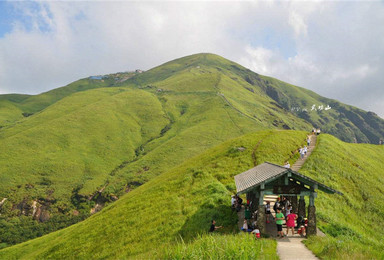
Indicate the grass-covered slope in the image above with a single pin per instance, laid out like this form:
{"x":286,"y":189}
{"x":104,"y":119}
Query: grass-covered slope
{"x":15,"y":107}
{"x":179,"y":203}
{"x":212,"y":246}
{"x":251,"y":93}
{"x":150,"y":221}
{"x":346,"y":122}
{"x":111,"y":140}
{"x":93,"y":146}
{"x":147,"y":222}
{"x":353,"y":221}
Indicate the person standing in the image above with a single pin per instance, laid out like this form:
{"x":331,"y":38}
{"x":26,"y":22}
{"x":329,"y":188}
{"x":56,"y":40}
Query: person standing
{"x":276,"y":205}
{"x":268,"y":211}
{"x":239,"y":203}
{"x":279,"y":223}
{"x":233,"y":201}
{"x":291,"y":217}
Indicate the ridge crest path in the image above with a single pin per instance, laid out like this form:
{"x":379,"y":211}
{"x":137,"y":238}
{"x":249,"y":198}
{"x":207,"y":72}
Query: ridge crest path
{"x":289,"y":248}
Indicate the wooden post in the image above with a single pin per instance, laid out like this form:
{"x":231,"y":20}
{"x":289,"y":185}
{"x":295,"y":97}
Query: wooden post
{"x":311,"y":229}
{"x":254,"y":201}
{"x":301,"y":211}
{"x":261,"y":211}
{"x":293,"y":200}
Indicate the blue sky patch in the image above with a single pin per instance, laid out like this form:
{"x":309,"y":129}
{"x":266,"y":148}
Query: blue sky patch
{"x":27,"y":14}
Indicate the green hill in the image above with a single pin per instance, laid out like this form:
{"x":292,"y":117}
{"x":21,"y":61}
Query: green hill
{"x":249,"y":92}
{"x":15,"y":107}
{"x":71,"y":151}
{"x":90,"y":147}
{"x":148,"y":222}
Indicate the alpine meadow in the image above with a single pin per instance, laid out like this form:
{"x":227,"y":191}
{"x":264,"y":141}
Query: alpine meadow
{"x":137,"y":164}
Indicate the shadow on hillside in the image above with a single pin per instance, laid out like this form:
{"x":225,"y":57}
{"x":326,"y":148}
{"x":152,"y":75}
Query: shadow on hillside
{"x":200,"y":222}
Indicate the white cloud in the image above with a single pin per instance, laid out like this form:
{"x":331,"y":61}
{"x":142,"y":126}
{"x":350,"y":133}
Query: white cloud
{"x":334,"y":48}
{"x":298,"y":24}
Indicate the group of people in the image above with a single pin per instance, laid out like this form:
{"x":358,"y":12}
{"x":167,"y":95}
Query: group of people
{"x":303,"y":151}
{"x":236,"y":202}
{"x":285,"y":213}
{"x":316,"y":131}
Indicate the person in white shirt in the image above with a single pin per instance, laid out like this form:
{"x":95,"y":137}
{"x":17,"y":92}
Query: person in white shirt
{"x":233,"y":201}
{"x":287,"y":165}
{"x":301,"y":151}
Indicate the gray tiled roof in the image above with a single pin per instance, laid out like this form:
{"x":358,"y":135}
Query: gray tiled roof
{"x":266,"y":171}
{"x":257,"y":175}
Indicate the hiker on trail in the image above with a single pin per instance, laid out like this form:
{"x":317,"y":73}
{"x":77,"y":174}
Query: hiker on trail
{"x":301,"y":151}
{"x":305,"y":149}
{"x":213,"y":226}
{"x":279,"y":223}
{"x":291,"y":217}
{"x":268,"y":210}
{"x":318,"y":131}
{"x":308,"y":140}
{"x":287,"y":165}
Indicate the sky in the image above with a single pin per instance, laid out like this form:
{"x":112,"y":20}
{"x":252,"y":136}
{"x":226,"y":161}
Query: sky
{"x":335,"y":48}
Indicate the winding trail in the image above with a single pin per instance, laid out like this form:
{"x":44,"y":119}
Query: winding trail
{"x":291,"y":247}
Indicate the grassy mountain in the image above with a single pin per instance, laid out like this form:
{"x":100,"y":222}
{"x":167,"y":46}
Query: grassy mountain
{"x":150,"y":221}
{"x":70,"y":151}
{"x":180,"y":202}
{"x":250,"y":92}
{"x":91,"y":147}
{"x":15,"y":107}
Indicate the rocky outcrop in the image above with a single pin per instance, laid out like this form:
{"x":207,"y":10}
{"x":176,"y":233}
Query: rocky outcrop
{"x":97,"y":208}
{"x":38,"y":210}
{"x":2,"y":202}
{"x":42,"y":214}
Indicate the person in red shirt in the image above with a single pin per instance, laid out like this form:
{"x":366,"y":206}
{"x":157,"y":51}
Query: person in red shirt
{"x":291,"y":222}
